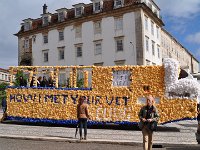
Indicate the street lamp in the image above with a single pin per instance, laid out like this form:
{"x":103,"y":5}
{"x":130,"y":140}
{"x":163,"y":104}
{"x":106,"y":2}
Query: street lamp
{"x":133,"y":53}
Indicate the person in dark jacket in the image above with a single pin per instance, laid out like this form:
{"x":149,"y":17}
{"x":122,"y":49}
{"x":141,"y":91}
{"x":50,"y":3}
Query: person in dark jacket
{"x":44,"y":82}
{"x":50,"y":82}
{"x":82,"y":115}
{"x":4,"y":105}
{"x":22,"y":81}
{"x":148,"y":116}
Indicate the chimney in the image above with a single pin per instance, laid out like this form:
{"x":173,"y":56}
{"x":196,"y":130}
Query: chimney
{"x":44,"y":9}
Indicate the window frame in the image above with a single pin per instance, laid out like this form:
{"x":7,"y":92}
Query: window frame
{"x":79,"y":52}
{"x":152,"y":27}
{"x":61,"y":17}
{"x":146,"y":22}
{"x":78,"y":31}
{"x":99,"y":50}
{"x":117,"y":44}
{"x":153,"y":48}
{"x":45,"y":39}
{"x":45,"y":20}
{"x":61,"y":56}
{"x":147,"y":43}
{"x":117,"y":4}
{"x":45,"y":56}
{"x":61,"y":35}
{"x":118,"y":23}
{"x":97,"y":27}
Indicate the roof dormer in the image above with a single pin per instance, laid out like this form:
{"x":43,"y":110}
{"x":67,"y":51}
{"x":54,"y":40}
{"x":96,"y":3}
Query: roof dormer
{"x":27,"y":24}
{"x":46,"y":16}
{"x":79,"y":9}
{"x":97,"y":5}
{"x":62,"y":14}
{"x":118,"y":3}
{"x":46,"y":19}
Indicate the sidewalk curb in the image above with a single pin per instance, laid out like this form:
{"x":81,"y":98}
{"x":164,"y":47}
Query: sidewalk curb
{"x":73,"y":140}
{"x":99,"y":141}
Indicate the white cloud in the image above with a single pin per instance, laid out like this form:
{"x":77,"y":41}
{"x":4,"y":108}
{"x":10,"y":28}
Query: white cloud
{"x":179,"y":8}
{"x":194,"y":38}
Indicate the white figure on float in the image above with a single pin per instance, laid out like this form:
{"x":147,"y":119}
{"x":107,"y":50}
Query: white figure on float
{"x":186,"y":87}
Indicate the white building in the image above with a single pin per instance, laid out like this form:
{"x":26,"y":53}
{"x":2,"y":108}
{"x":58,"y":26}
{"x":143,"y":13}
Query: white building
{"x":4,"y":75}
{"x":104,"y":32}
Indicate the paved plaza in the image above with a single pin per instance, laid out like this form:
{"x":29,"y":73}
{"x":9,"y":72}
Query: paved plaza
{"x":178,"y":133}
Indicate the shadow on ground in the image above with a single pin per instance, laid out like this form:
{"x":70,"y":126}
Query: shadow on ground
{"x":112,"y":126}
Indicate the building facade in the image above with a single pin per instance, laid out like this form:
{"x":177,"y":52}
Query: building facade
{"x":104,"y":33}
{"x":171,"y":48}
{"x":4,"y":75}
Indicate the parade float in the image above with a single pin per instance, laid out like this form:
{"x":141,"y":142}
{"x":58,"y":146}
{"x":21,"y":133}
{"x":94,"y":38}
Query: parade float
{"x":115,"y":94}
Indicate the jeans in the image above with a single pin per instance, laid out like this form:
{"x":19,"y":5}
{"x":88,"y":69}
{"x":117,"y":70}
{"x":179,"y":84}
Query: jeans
{"x":4,"y":109}
{"x":83,"y":124}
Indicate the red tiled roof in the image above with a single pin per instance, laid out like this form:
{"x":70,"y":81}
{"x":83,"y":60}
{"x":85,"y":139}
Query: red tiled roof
{"x":4,"y":70}
{"x":88,"y":10}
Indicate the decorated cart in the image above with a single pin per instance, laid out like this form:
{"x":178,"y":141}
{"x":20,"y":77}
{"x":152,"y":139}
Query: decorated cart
{"x":115,"y":94}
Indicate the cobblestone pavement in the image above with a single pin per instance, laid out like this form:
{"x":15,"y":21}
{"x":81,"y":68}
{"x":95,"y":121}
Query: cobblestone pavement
{"x":182,"y":132}
{"x":165,"y":134}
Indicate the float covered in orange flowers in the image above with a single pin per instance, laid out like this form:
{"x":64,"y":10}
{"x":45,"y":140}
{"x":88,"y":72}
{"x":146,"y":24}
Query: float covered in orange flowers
{"x":115,"y":94}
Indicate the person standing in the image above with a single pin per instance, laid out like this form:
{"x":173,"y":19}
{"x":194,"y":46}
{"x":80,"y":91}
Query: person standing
{"x":22,"y":81}
{"x":44,"y":82}
{"x":148,"y":116}
{"x":4,"y":108}
{"x":82,"y":115}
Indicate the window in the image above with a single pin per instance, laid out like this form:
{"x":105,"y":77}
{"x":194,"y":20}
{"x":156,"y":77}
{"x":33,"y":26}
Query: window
{"x":153,"y":64}
{"x":148,"y":62}
{"x":152,"y":28}
{"x":119,"y":44}
{"x":147,"y":43}
{"x":61,"y":16}
{"x":26,"y":43}
{"x":97,"y":7}
{"x":6,"y":77}
{"x":158,"y":48}
{"x":27,"y":26}
{"x":34,"y":38}
{"x":78,"y":33}
{"x":118,"y":23}
{"x":97,"y":27}
{"x":120,"y":62}
{"x":98,"y":64}
{"x":78,"y":51}
{"x":78,"y":11}
{"x":157,"y":32}
{"x":45,"y":39}
{"x":118,"y":3}
{"x":146,"y":22}
{"x":153,"y":48}
{"x":61,"y":35}
{"x":61,"y":53}
{"x":97,"y":48}
{"x":46,"y":55}
{"x":45,"y":20}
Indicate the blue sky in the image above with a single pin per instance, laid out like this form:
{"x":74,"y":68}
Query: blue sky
{"x":181,"y":18}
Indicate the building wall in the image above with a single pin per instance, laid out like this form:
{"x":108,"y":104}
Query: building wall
{"x":108,"y":35}
{"x":173,"y":49}
{"x":4,"y":76}
{"x":153,"y":59}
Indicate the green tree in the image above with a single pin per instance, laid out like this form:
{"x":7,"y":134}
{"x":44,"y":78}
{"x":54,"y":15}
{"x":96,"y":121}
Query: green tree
{"x":19,"y":74}
{"x":3,"y":86}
